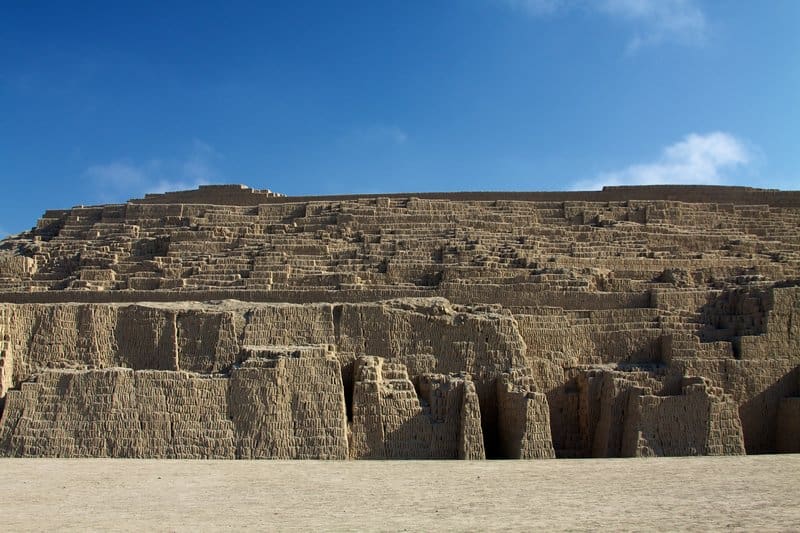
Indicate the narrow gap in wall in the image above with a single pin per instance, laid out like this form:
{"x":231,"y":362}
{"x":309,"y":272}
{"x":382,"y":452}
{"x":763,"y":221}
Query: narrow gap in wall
{"x":337,"y":322}
{"x":487,"y":399}
{"x":348,"y":384}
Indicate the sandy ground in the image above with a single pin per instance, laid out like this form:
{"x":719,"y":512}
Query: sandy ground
{"x":751,"y":493}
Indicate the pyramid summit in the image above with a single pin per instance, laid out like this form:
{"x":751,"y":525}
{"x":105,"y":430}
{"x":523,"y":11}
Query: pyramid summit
{"x":231,"y":322}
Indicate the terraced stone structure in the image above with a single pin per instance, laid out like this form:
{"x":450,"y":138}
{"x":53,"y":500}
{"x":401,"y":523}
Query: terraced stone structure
{"x":227,"y":322}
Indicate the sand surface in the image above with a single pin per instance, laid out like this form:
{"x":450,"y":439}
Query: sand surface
{"x":751,"y":493}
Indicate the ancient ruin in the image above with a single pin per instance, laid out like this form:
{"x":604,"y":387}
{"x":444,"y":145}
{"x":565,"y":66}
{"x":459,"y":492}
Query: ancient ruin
{"x":228,"y":322}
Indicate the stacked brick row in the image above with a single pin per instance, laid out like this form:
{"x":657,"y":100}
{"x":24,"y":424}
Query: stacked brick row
{"x":411,"y":245}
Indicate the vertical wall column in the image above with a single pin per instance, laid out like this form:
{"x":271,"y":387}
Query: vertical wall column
{"x":523,"y":417}
{"x":6,"y":354}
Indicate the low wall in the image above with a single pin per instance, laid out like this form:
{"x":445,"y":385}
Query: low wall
{"x":269,"y":409}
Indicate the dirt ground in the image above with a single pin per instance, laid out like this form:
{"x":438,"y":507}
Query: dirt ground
{"x":751,"y":493}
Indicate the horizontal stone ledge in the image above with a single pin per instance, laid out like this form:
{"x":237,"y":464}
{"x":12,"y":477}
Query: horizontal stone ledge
{"x":466,"y":294}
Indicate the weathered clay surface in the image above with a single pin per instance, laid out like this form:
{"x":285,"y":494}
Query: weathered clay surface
{"x":228,"y":322}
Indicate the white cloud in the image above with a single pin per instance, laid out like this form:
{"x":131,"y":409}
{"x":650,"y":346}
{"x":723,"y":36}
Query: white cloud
{"x":124,"y":179}
{"x":697,"y":159}
{"x":652,"y":21}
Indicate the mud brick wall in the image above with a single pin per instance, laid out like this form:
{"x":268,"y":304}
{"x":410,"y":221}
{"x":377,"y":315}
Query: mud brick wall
{"x":289,"y":409}
{"x":390,"y":420}
{"x":604,"y":396}
{"x":275,"y":409}
{"x":701,"y":421}
{"x":6,"y":354}
{"x":470,"y":434}
{"x":118,"y":413}
{"x":523,"y":418}
{"x":757,"y":387}
{"x":208,"y":338}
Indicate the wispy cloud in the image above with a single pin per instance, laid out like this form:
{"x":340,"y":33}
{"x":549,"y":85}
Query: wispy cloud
{"x":123,"y":179}
{"x":657,"y":21}
{"x":697,"y":159}
{"x":198,"y":166}
{"x":652,"y":21}
{"x":376,"y":134}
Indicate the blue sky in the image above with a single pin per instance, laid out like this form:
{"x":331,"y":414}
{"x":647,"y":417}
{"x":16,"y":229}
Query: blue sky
{"x":104,"y":101}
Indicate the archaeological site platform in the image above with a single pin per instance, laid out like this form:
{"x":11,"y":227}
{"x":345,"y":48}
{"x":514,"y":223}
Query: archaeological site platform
{"x":233,"y":323}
